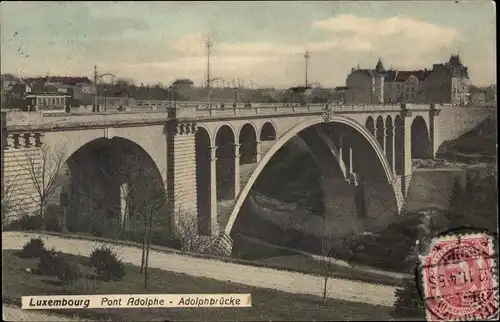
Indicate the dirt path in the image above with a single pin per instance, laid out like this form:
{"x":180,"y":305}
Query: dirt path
{"x":290,"y":282}
{"x":13,"y":313}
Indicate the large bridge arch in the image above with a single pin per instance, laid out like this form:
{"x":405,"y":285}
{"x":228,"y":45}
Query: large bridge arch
{"x":152,"y":141}
{"x":112,"y":182}
{"x":359,"y":128}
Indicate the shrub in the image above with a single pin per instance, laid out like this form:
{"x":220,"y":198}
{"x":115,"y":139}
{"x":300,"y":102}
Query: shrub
{"x":408,"y":302}
{"x":25,"y":222}
{"x":34,"y":248}
{"x":68,"y":272}
{"x":158,"y":237}
{"x":52,"y":220}
{"x":50,"y":261}
{"x":107,"y":264}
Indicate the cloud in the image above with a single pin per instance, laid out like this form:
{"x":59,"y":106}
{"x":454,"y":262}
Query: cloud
{"x":399,"y":30}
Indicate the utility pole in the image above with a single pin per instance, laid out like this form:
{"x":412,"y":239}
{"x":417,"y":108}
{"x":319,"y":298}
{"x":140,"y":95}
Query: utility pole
{"x":307,"y":56}
{"x":95,"y":86}
{"x":208,"y":43}
{"x":209,"y":46}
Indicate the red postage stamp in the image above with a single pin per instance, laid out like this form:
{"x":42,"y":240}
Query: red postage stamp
{"x":459,"y":278}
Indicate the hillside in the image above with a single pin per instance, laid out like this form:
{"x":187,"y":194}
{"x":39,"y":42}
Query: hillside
{"x":479,"y":142}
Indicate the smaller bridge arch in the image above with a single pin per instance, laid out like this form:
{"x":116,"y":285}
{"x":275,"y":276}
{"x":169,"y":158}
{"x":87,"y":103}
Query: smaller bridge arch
{"x":225,"y":141}
{"x":420,"y":140}
{"x":268,"y":132}
{"x":224,"y":126}
{"x":248,"y":144}
{"x":380,"y":132}
{"x":203,"y":180}
{"x":399,"y":145}
{"x":370,"y":125}
{"x":389,"y":140}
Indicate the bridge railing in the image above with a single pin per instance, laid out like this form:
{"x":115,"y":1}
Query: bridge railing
{"x":84,"y":114}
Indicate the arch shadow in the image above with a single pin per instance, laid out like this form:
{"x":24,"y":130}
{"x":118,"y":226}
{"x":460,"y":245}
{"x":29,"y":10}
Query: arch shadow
{"x":248,"y":144}
{"x":112,"y":183}
{"x":267,"y":132}
{"x":203,"y":180}
{"x":225,"y":141}
{"x":389,"y":138}
{"x":370,"y":125}
{"x":420,"y":140}
{"x":380,"y":131}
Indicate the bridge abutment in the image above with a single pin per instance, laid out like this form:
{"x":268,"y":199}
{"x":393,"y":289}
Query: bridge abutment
{"x":181,"y":174}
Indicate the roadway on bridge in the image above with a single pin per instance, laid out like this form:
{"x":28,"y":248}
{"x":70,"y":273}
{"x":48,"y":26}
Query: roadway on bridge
{"x":285,"y":281}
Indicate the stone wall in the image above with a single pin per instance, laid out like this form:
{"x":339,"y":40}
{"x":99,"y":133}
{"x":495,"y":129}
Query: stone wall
{"x":21,"y":195}
{"x":455,"y":121}
{"x":181,"y":171}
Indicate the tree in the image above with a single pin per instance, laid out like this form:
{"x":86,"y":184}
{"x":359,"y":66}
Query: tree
{"x":10,"y":206}
{"x":330,"y":247}
{"x":476,"y":204}
{"x":408,"y":302}
{"x":43,"y":167}
{"x":141,"y":201}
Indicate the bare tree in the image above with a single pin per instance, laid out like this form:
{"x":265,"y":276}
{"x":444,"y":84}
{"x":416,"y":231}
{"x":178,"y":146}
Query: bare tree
{"x":10,"y":205}
{"x":140,"y":200}
{"x":331,"y":246}
{"x":186,"y":227}
{"x":43,"y":167}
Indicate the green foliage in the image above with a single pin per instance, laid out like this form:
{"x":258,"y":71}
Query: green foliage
{"x":159,"y":237}
{"x":25,"y":222}
{"x":292,"y":174}
{"x":53,"y":217}
{"x":107,"y":264}
{"x":408,"y":302}
{"x":68,"y":272}
{"x":50,"y":261}
{"x":394,"y":242}
{"x":33,"y":248}
{"x":476,"y":204}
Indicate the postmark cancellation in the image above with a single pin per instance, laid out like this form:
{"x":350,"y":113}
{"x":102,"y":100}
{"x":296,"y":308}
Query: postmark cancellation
{"x":459,"y":278}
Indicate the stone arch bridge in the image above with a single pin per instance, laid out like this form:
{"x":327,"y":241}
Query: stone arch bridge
{"x":205,"y":161}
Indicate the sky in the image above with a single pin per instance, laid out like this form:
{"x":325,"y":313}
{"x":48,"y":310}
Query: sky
{"x":261,"y":43}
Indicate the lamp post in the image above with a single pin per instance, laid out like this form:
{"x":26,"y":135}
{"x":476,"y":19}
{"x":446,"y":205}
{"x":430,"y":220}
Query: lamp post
{"x":96,"y":78}
{"x":210,"y":93}
{"x":105,"y":98}
{"x":235,"y":97}
{"x":170,"y":96}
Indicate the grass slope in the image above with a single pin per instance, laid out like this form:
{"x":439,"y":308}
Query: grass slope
{"x":267,"y":304}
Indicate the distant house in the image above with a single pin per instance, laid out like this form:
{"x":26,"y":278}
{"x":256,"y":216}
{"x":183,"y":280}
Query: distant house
{"x":47,"y":100}
{"x":447,"y":83}
{"x":77,"y":87}
{"x":183,"y":86}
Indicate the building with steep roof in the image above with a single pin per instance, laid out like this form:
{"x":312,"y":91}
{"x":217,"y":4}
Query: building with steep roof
{"x":447,"y":83}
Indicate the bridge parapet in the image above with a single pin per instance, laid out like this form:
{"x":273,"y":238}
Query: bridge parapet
{"x":37,"y":120}
{"x":42,"y":119}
